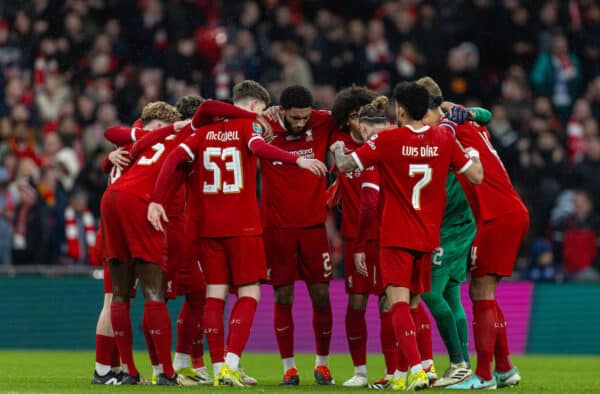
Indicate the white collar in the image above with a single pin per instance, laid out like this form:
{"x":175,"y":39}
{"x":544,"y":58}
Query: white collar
{"x":421,"y":130}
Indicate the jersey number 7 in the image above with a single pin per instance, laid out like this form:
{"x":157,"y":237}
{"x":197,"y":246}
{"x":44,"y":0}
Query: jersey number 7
{"x":418,"y":169}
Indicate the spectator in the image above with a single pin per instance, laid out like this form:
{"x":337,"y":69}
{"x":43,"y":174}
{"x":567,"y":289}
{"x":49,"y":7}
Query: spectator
{"x":543,"y":266}
{"x":80,"y":230}
{"x":7,"y":208}
{"x":586,"y":172}
{"x":557,"y":76}
{"x":579,"y":235}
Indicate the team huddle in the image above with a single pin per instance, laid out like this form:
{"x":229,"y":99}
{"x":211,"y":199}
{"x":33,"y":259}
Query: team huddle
{"x":181,"y":216}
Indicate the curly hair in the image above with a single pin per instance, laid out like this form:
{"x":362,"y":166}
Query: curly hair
{"x":296,"y":96}
{"x":349,"y":100}
{"x":375,"y":112}
{"x":159,"y":110}
{"x":187,"y":105}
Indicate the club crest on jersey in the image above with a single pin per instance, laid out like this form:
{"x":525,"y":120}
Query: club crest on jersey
{"x":309,"y":135}
{"x":257,"y":128}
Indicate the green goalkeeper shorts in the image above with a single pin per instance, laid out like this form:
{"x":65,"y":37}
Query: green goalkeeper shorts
{"x":450,"y":261}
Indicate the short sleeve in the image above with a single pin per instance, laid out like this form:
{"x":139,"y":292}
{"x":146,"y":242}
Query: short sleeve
{"x":369,"y":153}
{"x":370,"y":178}
{"x":253,"y":132}
{"x":191,"y":145}
{"x":460,"y":161}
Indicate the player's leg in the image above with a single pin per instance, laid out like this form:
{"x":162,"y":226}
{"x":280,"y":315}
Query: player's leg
{"x":122,"y":276}
{"x":453,"y":298}
{"x":281,"y":250}
{"x":105,"y":372}
{"x":423,"y":324}
{"x":316,"y":270}
{"x":389,"y":347}
{"x":189,"y":328}
{"x":356,"y":334}
{"x":402,"y":272}
{"x":357,"y":288}
{"x":156,"y":316}
{"x":212,"y":319}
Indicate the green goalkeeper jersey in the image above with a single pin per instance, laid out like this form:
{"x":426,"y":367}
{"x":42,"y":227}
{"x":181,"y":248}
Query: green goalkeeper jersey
{"x":458,"y":217}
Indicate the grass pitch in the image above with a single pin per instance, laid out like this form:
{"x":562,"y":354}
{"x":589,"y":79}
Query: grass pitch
{"x":70,"y":372}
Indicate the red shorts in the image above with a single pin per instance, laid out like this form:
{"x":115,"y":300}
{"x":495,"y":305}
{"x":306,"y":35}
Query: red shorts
{"x":127,"y":233}
{"x":355,"y":282}
{"x":233,"y":261}
{"x":298,"y":253}
{"x":177,"y":254}
{"x":189,"y":277}
{"x":108,"y":281}
{"x":496,"y":245}
{"x":405,"y":268}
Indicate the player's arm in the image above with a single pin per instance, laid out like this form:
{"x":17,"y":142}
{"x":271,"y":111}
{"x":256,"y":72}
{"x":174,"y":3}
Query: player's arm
{"x":460,"y":114}
{"x":123,"y":135}
{"x":170,"y":178}
{"x":467,"y":162}
{"x":211,"y":109}
{"x":367,"y":215}
{"x":263,"y":150}
{"x":152,"y":138}
{"x":343,"y":162}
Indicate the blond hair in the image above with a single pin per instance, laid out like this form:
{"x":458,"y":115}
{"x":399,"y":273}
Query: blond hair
{"x":159,"y":110}
{"x":375,"y":111}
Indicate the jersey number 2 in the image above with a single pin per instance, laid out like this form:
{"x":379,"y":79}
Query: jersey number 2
{"x":418,"y":169}
{"x":233,"y":165}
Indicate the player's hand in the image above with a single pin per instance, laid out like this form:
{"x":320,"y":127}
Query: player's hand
{"x":156,"y":216}
{"x":119,"y":157}
{"x":460,"y":114}
{"x":336,"y":145}
{"x":272,"y":113}
{"x":180,"y":124}
{"x":267,"y":132}
{"x":360,"y":263}
{"x":313,"y":165}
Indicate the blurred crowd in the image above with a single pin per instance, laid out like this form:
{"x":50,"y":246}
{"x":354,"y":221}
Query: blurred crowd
{"x":70,"y":69}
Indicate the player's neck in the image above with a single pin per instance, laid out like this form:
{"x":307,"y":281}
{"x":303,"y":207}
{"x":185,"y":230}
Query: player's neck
{"x":415,"y":124}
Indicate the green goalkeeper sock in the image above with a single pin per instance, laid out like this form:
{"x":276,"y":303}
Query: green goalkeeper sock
{"x":452,"y":296}
{"x":444,"y":318}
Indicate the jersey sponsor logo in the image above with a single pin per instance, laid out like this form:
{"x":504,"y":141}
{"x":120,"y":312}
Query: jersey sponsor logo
{"x":222,"y":136}
{"x":420,"y":151}
{"x":305,"y":153}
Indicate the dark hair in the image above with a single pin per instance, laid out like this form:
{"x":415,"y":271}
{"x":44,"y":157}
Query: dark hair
{"x":187,"y":105}
{"x":413,"y":97}
{"x":250,"y":90}
{"x":349,"y":100}
{"x":375,"y":112}
{"x":296,"y":97}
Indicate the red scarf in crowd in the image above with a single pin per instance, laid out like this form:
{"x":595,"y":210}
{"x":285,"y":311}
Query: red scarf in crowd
{"x":73,"y":250}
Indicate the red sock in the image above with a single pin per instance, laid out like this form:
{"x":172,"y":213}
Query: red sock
{"x":356,"y":333}
{"x":423,"y":325}
{"x":121,"y":322}
{"x":322,"y":324}
{"x":406,"y":333}
{"x":159,"y":327}
{"x":198,"y":352}
{"x":213,"y":328}
{"x":240,"y":324}
{"x":188,"y":322}
{"x":149,"y":342}
{"x":104,"y":349}
{"x":501,"y":352}
{"x":115,"y":359}
{"x":284,"y":329}
{"x":389,"y":346}
{"x":401,"y":362}
{"x":484,"y":331}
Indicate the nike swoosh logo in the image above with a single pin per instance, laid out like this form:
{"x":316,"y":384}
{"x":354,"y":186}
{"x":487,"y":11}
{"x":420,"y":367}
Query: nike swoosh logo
{"x":353,"y":338}
{"x":327,"y":274}
{"x":282,"y":328}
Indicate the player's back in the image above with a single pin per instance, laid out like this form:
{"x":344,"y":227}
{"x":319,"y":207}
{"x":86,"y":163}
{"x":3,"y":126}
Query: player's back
{"x":413,"y":176}
{"x":352,"y":184}
{"x":293,"y":197}
{"x":496,"y":195}
{"x":226,"y":173}
{"x":141,"y":177}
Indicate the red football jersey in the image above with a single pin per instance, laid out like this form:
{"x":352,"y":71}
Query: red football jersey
{"x":496,"y":195}
{"x":351,"y":188}
{"x":291,"y":196}
{"x":140,"y":178}
{"x":222,"y":188}
{"x":115,"y":171}
{"x":413,"y":167}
